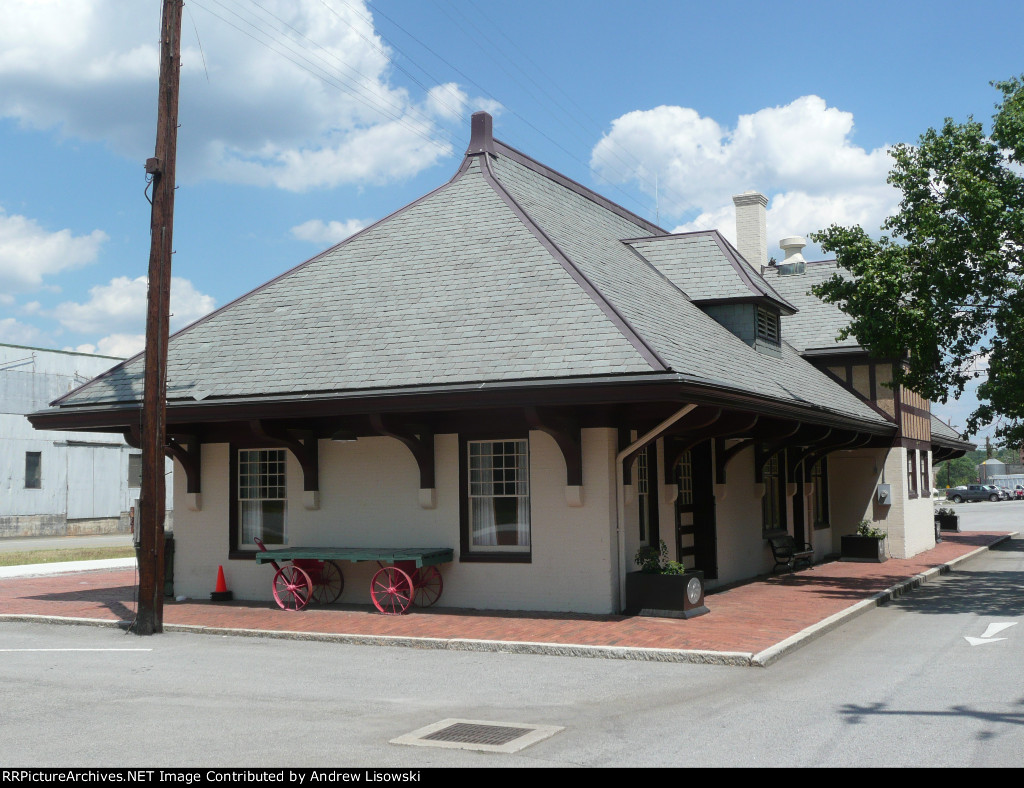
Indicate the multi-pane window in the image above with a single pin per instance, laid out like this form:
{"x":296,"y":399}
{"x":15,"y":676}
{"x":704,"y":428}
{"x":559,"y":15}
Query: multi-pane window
{"x":262,"y":507}
{"x":134,"y":470}
{"x":767,"y":325}
{"x":499,"y":495}
{"x":643,"y":490}
{"x":685,"y":479}
{"x":926,"y":471}
{"x":771,"y":503}
{"x":33,"y":470}
{"x":819,"y":476}
{"x":912,"y":471}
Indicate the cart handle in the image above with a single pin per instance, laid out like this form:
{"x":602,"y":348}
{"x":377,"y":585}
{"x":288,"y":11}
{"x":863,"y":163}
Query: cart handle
{"x":263,"y":548}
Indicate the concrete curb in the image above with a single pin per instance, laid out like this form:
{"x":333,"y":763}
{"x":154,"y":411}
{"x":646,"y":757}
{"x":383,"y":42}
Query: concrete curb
{"x":773,"y":653}
{"x":65,"y":567}
{"x":729,"y":658}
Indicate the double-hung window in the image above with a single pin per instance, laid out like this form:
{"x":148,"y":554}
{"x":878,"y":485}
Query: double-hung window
{"x":498,"y":497}
{"x":262,"y":505}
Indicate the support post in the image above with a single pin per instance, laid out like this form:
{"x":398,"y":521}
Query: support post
{"x":149,"y":618}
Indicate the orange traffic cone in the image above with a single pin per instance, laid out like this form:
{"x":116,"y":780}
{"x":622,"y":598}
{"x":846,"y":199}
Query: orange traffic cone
{"x":221,"y":593}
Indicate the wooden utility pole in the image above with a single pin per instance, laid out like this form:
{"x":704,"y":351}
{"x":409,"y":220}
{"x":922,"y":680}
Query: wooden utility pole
{"x":152,"y":503}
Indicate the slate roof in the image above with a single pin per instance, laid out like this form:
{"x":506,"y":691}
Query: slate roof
{"x":509,"y":272}
{"x":943,"y":432}
{"x":708,"y":268}
{"x":817,"y":324}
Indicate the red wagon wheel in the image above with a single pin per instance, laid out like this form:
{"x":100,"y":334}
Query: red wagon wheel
{"x":292,"y":588}
{"x":391,"y":590}
{"x":329,"y":584}
{"x":428,"y":586}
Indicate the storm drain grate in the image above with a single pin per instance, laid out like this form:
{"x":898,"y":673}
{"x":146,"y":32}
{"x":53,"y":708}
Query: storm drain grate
{"x":478,"y":735}
{"x":472,"y":733}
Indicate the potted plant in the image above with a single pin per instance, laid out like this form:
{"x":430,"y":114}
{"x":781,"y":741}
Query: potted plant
{"x":663,"y":588}
{"x":868,"y":544}
{"x":947,"y":519}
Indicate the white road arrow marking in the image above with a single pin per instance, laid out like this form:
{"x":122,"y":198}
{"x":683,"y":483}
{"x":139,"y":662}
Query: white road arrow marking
{"x":992,"y":629}
{"x":995,"y":629}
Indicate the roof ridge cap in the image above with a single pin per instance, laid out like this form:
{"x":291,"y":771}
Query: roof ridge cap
{"x":632,"y":335}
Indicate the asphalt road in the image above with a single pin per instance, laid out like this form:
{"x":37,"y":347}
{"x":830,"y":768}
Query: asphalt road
{"x":14,"y":545}
{"x":931,"y":679}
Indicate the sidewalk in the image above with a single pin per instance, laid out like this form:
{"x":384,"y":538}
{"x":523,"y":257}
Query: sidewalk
{"x":752,"y":624}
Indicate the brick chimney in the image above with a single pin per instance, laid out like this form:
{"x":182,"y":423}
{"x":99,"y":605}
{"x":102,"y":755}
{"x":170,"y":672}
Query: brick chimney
{"x":751,"y":230}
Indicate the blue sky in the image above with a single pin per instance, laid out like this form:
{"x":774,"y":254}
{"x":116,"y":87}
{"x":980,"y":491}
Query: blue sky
{"x":304,"y":120}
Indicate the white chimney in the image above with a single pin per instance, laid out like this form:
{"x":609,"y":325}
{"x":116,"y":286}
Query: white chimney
{"x":751,"y":230}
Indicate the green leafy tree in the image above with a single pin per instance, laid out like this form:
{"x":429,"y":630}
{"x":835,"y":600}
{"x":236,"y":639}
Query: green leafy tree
{"x":942,"y":287}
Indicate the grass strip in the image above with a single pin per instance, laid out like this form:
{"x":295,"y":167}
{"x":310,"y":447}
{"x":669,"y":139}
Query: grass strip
{"x":75,"y":554}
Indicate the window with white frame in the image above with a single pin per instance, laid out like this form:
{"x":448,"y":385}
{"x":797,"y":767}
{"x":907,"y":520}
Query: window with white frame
{"x":262,"y":505}
{"x":685,"y":478}
{"x":499,"y":495}
{"x":643,"y":489}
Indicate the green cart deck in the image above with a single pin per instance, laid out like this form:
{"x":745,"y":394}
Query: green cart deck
{"x":422,"y":556}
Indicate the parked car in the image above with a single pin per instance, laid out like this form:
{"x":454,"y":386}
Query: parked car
{"x":1018,"y":492}
{"x":973,"y":492}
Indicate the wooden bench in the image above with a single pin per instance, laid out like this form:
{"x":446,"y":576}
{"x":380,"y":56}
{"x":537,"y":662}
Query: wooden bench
{"x":787,"y":554}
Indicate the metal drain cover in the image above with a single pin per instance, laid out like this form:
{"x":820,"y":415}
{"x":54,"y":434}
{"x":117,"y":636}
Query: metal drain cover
{"x":478,"y":735}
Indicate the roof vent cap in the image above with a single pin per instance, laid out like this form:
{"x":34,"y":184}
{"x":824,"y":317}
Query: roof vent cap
{"x":794,"y":262}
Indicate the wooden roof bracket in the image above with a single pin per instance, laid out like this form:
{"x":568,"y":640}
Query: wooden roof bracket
{"x":188,"y":451}
{"x":568,"y":435}
{"x":724,"y":456}
{"x":422,"y":448}
{"x":304,"y":447}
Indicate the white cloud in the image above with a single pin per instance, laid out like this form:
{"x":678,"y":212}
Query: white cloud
{"x":28,"y":252}
{"x":122,"y":345}
{"x":120,"y":308}
{"x":320,"y":232}
{"x":14,"y":332}
{"x":800,"y":155}
{"x":90,"y":69}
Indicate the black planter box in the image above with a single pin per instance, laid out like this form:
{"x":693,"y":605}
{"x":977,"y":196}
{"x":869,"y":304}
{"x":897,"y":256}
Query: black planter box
{"x":665,"y":596}
{"x":863,"y":548}
{"x":948,"y":522}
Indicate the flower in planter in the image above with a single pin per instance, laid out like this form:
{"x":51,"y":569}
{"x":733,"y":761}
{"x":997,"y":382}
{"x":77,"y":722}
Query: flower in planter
{"x":865,"y":528}
{"x":654,"y":561}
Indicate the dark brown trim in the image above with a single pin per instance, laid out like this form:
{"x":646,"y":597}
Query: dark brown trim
{"x":724,"y":456}
{"x":565,"y":429}
{"x":910,"y":443}
{"x":646,"y":351}
{"x":519,"y":157}
{"x":303,"y":446}
{"x":420,"y":445}
{"x":745,"y":273}
{"x":674,"y":449}
{"x":124,"y":364}
{"x":190,"y":455}
{"x":466,"y":554}
{"x":669,"y":388}
{"x":849,"y":387}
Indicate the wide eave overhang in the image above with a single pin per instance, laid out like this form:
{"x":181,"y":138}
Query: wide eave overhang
{"x":670,"y":389}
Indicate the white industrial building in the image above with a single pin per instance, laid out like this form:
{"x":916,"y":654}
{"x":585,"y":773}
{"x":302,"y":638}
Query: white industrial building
{"x":59,"y":483}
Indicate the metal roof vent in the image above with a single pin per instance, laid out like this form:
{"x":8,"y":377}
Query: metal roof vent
{"x":794,"y":262}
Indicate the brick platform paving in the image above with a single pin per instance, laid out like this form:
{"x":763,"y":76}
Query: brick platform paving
{"x":745,"y":620}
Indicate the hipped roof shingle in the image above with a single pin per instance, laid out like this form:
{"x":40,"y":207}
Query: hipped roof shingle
{"x":509,"y":272}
